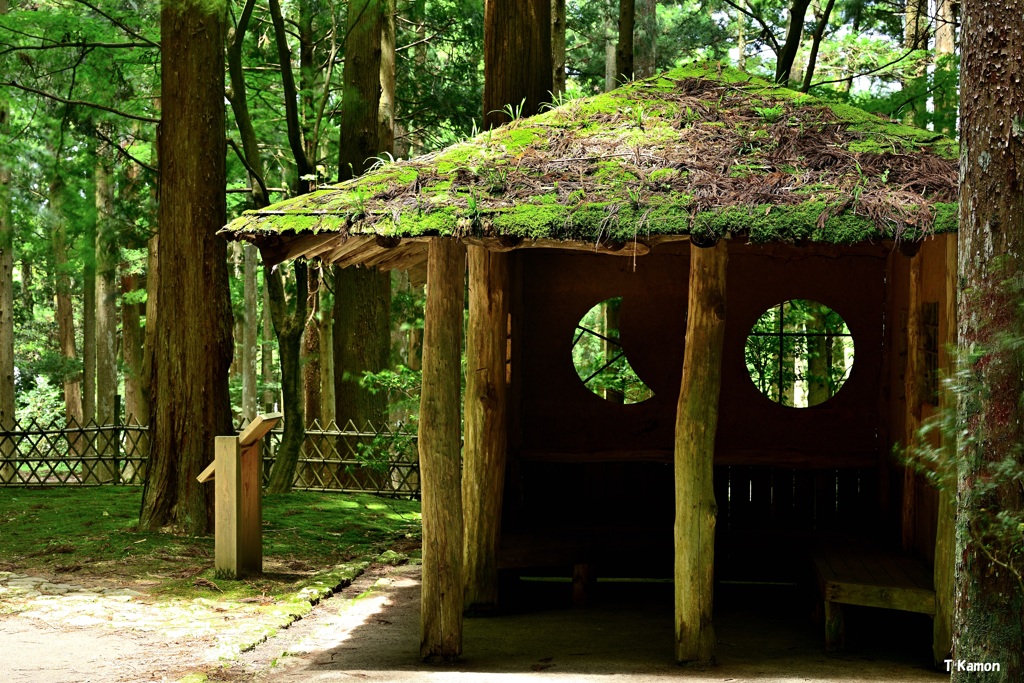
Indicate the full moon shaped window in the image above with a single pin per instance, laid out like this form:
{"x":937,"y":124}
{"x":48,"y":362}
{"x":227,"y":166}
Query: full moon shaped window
{"x":600,"y":359}
{"x":799,"y":353}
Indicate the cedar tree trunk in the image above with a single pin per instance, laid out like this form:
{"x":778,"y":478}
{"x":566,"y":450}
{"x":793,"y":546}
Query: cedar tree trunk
{"x":989,"y":624}
{"x":193,"y":335}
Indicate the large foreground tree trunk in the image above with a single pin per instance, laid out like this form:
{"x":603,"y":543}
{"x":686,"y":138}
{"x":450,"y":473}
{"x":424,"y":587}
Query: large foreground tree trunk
{"x":193,"y":345}
{"x":989,"y":624}
{"x":517,"y":58}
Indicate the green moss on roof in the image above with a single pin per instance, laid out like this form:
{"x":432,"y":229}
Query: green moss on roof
{"x":702,"y":148}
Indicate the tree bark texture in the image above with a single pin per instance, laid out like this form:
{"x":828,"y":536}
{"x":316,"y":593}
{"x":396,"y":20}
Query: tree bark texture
{"x":989,"y":624}
{"x":696,"y":423}
{"x":325,"y":328}
{"x":517,"y":58}
{"x":131,"y":342}
{"x":794,"y":35}
{"x":311,"y":395}
{"x":363,"y":133}
{"x":609,"y":54}
{"x":267,"y":353}
{"x":439,"y":446}
{"x":65,"y":311}
{"x":106,"y":293}
{"x":624,"y":49}
{"x":89,"y":324}
{"x":362,"y":340}
{"x":645,"y":38}
{"x":557,"y":48}
{"x":193,"y":335}
{"x":250,"y":294}
{"x":7,"y":414}
{"x":486,"y":434}
{"x":288,"y":326}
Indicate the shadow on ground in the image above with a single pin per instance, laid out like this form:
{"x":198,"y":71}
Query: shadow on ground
{"x":765,"y":633}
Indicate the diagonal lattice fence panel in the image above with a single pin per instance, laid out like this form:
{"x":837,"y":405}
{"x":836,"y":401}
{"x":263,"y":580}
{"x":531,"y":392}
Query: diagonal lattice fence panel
{"x":383,"y":461}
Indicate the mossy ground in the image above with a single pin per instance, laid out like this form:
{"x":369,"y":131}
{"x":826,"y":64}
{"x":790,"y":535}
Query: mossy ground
{"x":83,"y":535}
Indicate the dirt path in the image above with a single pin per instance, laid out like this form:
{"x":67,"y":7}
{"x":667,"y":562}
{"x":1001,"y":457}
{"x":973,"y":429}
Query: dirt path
{"x":626,"y":635}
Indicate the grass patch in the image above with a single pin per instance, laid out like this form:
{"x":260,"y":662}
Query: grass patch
{"x":89,"y":535}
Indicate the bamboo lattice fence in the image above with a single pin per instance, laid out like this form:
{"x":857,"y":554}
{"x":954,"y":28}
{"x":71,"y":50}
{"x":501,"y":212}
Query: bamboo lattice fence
{"x":382,"y":461}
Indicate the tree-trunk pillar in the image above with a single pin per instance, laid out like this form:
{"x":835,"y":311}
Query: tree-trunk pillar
{"x":483,"y":478}
{"x":912,"y":396}
{"x":696,"y":422}
{"x":439,"y":447}
{"x":945,"y":532}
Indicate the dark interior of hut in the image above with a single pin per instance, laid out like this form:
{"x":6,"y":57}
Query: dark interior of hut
{"x":589,"y":483}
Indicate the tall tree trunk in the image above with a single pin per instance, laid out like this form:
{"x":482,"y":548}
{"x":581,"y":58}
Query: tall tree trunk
{"x":945,"y":47}
{"x":106,"y":293}
{"x":311,"y":350}
{"x":915,"y":37}
{"x":325,"y":328}
{"x":6,"y":298}
{"x":819,"y":34}
{"x":362,"y":337}
{"x":818,"y":390}
{"x":193,"y":346}
{"x":514,"y":31}
{"x":288,"y":326}
{"x":131,"y":344}
{"x":557,"y":48}
{"x":65,"y":311}
{"x":89,"y":324}
{"x":794,"y":35}
{"x":250,"y":293}
{"x":645,"y":41}
{"x":741,"y":41}
{"x":990,"y":592}
{"x":267,"y":352}
{"x":624,"y":50}
{"x":362,"y":307}
{"x":148,"y":375}
{"x":609,"y":54}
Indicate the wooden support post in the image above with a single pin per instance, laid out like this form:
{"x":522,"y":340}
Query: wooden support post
{"x":251,"y":535}
{"x":696,"y":423}
{"x":835,"y":627}
{"x":237,"y":470}
{"x":945,"y":532}
{"x":912,"y":408}
{"x":228,"y":507}
{"x":439,"y":446}
{"x":483,"y":476}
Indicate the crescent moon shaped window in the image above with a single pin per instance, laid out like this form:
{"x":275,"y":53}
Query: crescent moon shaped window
{"x":799,"y":353}
{"x":601,"y":361}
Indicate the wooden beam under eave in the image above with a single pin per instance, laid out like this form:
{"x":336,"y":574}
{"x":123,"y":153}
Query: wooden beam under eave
{"x":696,"y":423}
{"x":912,"y":381}
{"x":347,"y":246}
{"x":440,"y":447}
{"x":501,"y":244}
{"x":294,"y":246}
{"x":945,"y":532}
{"x":486,"y":436}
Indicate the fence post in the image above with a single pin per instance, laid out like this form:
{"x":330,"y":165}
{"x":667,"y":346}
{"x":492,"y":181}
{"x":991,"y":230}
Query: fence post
{"x":117,"y":438}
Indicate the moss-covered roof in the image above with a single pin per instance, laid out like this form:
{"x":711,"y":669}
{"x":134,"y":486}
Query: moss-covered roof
{"x":701,"y":150}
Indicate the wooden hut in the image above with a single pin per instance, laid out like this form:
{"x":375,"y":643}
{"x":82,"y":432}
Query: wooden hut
{"x":703,"y":198}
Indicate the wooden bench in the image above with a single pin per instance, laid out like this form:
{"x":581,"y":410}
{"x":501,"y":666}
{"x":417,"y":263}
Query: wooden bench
{"x":858,"y":574}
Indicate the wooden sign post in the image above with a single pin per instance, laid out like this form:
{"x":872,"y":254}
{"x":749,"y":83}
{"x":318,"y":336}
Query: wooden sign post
{"x":237,"y":469}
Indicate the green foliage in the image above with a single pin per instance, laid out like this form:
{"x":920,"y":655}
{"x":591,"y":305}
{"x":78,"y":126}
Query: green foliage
{"x":785,"y":342}
{"x":600,"y":360}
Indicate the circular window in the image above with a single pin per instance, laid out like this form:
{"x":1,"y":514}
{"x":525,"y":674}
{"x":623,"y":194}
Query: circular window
{"x":799,"y":353}
{"x":600,"y":360}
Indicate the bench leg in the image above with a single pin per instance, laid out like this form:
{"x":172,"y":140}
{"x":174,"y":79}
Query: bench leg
{"x":580,"y":584}
{"x":835,"y":627}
